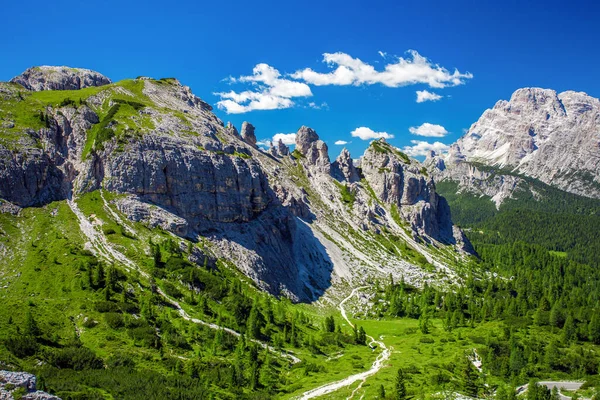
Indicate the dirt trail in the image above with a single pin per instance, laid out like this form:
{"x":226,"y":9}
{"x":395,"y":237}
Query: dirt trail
{"x":103,"y":248}
{"x":362,"y":377}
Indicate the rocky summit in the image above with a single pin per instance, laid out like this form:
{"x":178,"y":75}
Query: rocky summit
{"x":539,"y":133}
{"x":59,"y":78}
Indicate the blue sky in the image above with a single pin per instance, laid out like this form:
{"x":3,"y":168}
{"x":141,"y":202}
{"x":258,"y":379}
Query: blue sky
{"x":496,"y":47}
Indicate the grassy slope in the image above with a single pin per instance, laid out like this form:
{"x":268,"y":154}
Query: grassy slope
{"x":45,"y":278}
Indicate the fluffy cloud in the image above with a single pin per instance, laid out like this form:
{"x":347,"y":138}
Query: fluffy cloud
{"x":272,"y":92}
{"x":424,"y":95}
{"x":411,"y":70}
{"x":286,"y":138}
{"x":365,"y":133}
{"x":421,"y":148}
{"x":429,"y":130}
{"x":340,"y":142}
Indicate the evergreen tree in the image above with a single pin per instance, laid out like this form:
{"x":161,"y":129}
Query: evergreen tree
{"x":468,"y":377}
{"x":569,"y":329}
{"x":31,"y":326}
{"x":361,"y":336}
{"x":329,"y":324}
{"x":381,"y":394}
{"x":255,"y":321}
{"x":594,"y":328}
{"x":424,"y":325}
{"x":401,"y":393}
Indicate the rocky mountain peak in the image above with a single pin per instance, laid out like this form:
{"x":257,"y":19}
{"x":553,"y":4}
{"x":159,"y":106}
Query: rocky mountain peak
{"x":343,"y":168}
{"x":248,"y":135}
{"x":313,"y":149}
{"x":537,"y":133}
{"x":231,"y":129}
{"x":59,"y":78}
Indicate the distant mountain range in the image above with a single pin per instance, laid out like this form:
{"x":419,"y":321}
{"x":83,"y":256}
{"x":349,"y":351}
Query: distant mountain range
{"x":538,"y":133}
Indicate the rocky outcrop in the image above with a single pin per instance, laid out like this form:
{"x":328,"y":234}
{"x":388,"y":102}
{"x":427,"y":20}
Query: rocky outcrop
{"x":248,"y":135}
{"x":343,"y":168}
{"x":45,"y":167}
{"x":313,"y":149}
{"x":541,"y":134}
{"x":399,"y":181}
{"x":11,"y":381}
{"x":279,"y":149}
{"x":231,"y":129}
{"x":59,"y":78}
{"x":152,"y":216}
{"x":473,"y":179}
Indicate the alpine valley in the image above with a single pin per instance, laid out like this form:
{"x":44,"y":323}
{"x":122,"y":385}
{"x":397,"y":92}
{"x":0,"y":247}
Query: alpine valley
{"x":150,"y":251}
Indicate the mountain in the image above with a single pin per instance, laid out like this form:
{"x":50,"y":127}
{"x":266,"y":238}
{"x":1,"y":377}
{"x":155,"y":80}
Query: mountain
{"x":148,"y":250}
{"x":295,"y":223}
{"x":554,"y":138}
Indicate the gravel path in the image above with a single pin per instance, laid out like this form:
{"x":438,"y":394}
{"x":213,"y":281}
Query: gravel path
{"x":362,"y":377}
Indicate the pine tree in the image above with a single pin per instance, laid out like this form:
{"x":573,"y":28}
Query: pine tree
{"x":31,"y":326}
{"x":569,"y":329}
{"x":329,"y":324}
{"x":381,"y":393}
{"x":424,"y":325}
{"x":362,"y":336}
{"x":468,"y":377}
{"x":401,"y":393}
{"x":255,"y":321}
{"x":594,"y":329}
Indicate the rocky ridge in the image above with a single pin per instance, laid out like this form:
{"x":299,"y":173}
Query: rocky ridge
{"x":296,"y":223}
{"x":549,"y":136}
{"x":59,"y":78}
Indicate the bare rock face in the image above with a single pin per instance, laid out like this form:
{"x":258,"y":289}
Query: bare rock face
{"x":59,"y":78}
{"x":397,"y":180}
{"x":282,"y":149}
{"x":11,"y":381}
{"x":44,"y":168}
{"x":161,"y":170}
{"x":279,"y":149}
{"x":313,"y":149}
{"x":343,"y":168}
{"x":248,"y":135}
{"x":539,"y":133}
{"x":231,"y":129}
{"x":152,"y":216}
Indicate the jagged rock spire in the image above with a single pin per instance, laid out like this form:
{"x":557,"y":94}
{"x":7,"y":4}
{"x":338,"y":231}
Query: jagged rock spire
{"x":248,"y":135}
{"x":343,"y":167}
{"x":313,"y":149}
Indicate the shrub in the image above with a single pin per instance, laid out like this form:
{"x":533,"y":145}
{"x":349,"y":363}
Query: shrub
{"x":105,"y":306}
{"x":114,"y":320}
{"x":22,"y":346}
{"x":77,"y":358}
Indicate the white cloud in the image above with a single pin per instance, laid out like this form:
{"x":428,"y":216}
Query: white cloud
{"x":316,"y":106}
{"x":272,"y":92}
{"x":405,"y":71}
{"x":421,"y":148}
{"x":424,"y":95}
{"x":264,"y":143}
{"x":429,"y":130}
{"x":365,"y":133}
{"x":286,"y":138}
{"x":340,"y":142}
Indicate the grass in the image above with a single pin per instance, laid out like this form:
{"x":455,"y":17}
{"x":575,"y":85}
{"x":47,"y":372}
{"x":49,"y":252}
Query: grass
{"x":348,"y":197}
